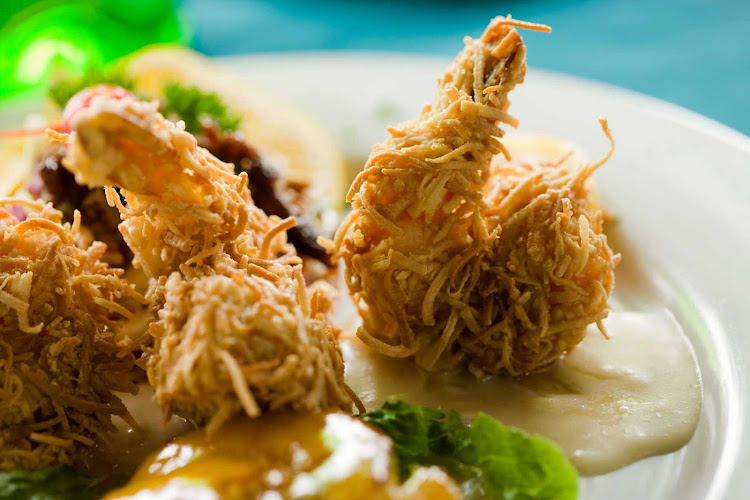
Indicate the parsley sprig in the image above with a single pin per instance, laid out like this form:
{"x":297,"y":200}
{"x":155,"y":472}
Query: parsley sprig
{"x":192,"y":105}
{"x":181,"y":102}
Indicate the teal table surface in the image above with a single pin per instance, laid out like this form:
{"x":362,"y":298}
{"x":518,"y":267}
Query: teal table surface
{"x":689,"y":52}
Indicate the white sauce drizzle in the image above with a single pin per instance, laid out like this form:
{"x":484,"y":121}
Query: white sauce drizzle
{"x":607,"y":404}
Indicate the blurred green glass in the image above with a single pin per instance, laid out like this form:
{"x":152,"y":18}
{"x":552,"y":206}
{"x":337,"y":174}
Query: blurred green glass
{"x":38,"y":37}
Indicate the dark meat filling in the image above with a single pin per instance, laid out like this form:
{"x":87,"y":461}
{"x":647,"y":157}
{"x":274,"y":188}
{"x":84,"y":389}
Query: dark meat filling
{"x":264,"y":188}
{"x":52,"y":182}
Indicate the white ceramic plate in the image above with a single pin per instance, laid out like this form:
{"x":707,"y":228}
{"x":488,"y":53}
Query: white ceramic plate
{"x":679,"y":185}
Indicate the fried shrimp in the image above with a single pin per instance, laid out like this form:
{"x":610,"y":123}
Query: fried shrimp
{"x":457,"y":264}
{"x":237,"y":329}
{"x":61,"y":309}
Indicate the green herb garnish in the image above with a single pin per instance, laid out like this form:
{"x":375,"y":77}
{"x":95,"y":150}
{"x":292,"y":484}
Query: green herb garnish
{"x":62,"y":90}
{"x":488,"y":460}
{"x":187,"y":103}
{"x":192,"y":105}
{"x":54,"y":483}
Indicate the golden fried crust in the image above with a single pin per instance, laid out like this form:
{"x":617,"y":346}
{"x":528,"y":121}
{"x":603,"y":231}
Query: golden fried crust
{"x":61,"y":309}
{"x":451,"y":271}
{"x":235,"y":330}
{"x":233,"y":340}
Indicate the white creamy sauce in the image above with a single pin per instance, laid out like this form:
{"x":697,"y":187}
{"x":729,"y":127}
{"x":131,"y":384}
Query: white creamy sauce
{"x":607,"y":404}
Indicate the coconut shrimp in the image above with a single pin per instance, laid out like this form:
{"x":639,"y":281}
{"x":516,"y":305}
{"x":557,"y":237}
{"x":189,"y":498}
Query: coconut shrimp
{"x":457,"y":264}
{"x":61,"y":309}
{"x":236,"y":328}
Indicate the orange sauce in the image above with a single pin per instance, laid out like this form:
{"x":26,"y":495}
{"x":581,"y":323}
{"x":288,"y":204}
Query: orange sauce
{"x":333,"y":456}
{"x":243,"y":459}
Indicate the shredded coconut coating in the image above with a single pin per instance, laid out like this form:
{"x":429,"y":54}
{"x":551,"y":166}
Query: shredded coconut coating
{"x":457,"y":264}
{"x":236,"y":328}
{"x":61,"y":309}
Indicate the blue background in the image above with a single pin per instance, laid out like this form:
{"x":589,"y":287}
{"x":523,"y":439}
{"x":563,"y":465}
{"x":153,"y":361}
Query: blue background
{"x":693,"y":53}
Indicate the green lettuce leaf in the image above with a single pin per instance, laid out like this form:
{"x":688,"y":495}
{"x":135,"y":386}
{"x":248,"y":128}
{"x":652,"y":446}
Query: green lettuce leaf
{"x":487,"y":459}
{"x":54,"y":483}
